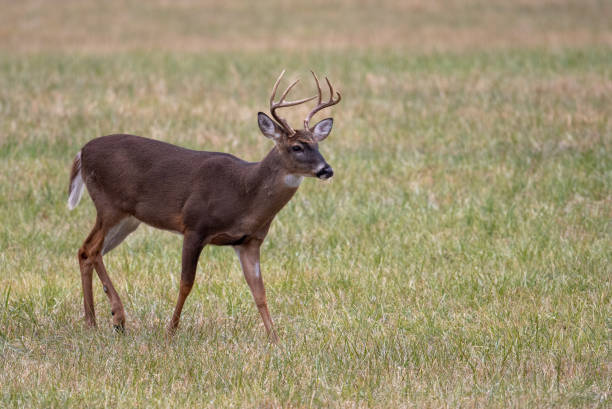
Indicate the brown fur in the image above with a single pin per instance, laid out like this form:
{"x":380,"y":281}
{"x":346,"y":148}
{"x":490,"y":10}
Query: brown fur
{"x":208,"y":197}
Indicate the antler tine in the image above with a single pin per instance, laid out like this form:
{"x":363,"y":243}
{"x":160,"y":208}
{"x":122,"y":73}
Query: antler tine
{"x":275,"y":88}
{"x":331,"y":89}
{"x":299,"y":101}
{"x":282,"y":103}
{"x":318,"y":85}
{"x":320,"y":105}
{"x":282,"y":98}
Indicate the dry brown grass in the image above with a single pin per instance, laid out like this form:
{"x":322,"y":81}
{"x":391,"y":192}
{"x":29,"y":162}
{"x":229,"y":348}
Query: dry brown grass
{"x":196,"y":26}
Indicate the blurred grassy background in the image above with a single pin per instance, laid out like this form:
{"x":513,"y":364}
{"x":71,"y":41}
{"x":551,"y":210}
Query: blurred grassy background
{"x":459,"y":257}
{"x":197,"y":26}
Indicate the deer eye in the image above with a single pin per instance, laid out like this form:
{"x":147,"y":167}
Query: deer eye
{"x":297,"y":148}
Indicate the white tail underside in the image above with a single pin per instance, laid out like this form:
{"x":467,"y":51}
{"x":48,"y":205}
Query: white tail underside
{"x":76,"y":186}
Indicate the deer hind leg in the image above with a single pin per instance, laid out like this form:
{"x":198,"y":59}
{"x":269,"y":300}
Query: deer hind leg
{"x":117,"y":310}
{"x":248,"y":254}
{"x":119,"y":232}
{"x":86,"y":265}
{"x":112,"y":238}
{"x":101,"y":240}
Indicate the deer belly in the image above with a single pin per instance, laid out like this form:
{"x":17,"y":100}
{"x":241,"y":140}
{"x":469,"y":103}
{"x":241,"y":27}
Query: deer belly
{"x":224,"y":239}
{"x":163,"y":218}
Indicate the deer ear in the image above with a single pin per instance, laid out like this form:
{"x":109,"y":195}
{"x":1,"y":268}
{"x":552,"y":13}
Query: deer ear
{"x":268,"y":127}
{"x":322,"y":129}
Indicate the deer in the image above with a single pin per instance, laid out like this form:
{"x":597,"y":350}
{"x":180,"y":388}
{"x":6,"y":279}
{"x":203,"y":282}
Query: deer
{"x":210,"y":198}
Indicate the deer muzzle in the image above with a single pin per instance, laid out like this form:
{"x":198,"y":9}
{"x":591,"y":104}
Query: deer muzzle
{"x":326,"y":172}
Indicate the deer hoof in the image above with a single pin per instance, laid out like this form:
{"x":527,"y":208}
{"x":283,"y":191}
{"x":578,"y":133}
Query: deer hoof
{"x":273,"y":338}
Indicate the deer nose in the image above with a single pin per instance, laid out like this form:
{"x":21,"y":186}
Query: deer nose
{"x":326,"y":172}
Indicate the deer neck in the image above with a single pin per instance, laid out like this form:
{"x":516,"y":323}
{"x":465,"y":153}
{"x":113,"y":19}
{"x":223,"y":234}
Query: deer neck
{"x":274,"y":185}
{"x":276,"y":179}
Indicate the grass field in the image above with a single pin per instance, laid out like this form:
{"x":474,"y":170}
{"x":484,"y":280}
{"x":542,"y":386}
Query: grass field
{"x":460,"y":257}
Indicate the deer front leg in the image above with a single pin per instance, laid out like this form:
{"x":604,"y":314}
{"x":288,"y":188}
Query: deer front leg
{"x":248,"y":254}
{"x":192,"y":247}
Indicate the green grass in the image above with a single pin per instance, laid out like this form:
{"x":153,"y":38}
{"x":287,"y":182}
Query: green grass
{"x":460,"y":256}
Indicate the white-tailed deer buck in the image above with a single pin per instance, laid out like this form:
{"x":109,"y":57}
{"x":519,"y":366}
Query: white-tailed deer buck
{"x":208,"y":197}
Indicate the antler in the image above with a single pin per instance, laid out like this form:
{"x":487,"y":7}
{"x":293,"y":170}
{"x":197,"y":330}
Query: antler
{"x":282,"y":103}
{"x":320,"y":105}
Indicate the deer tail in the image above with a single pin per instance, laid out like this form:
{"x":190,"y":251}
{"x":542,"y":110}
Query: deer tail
{"x":75,"y":187}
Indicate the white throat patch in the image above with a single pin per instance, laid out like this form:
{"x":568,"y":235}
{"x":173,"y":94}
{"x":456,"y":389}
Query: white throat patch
{"x":293,"y":180}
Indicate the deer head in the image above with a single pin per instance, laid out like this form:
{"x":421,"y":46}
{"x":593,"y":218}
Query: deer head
{"x":299,"y":149}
